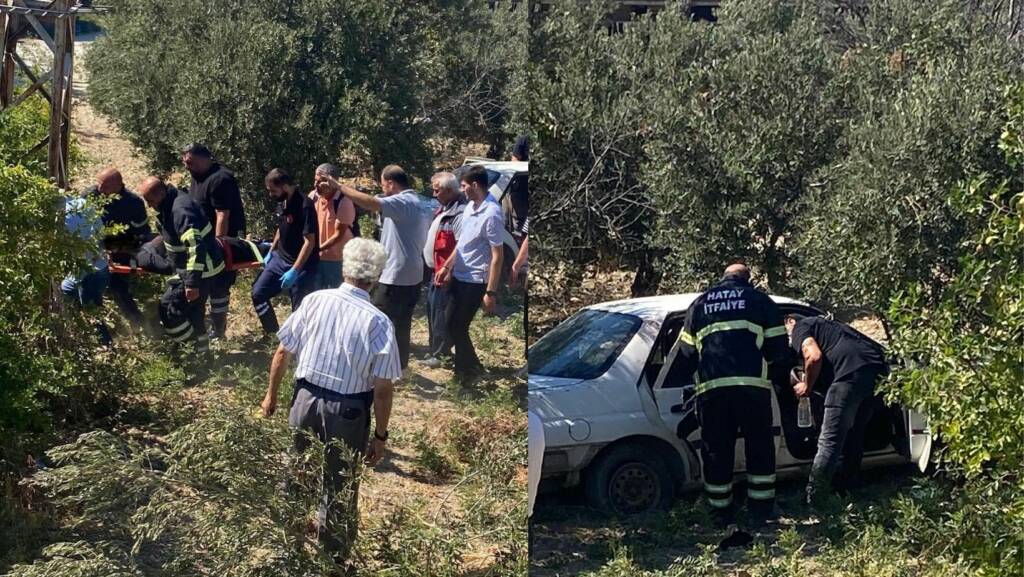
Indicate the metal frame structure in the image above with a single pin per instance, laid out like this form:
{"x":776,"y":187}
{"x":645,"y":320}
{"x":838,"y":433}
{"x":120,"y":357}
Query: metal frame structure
{"x":20,"y":19}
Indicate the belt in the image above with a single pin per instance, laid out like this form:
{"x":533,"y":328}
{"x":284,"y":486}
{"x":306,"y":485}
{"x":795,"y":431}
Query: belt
{"x":365,"y":396}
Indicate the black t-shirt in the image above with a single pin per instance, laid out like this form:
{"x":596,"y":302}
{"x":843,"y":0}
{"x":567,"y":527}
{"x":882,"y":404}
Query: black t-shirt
{"x":218,"y":190}
{"x":844,"y":349}
{"x":297,"y":218}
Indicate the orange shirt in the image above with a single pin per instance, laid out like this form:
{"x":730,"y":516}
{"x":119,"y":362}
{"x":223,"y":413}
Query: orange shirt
{"x":330,"y":211}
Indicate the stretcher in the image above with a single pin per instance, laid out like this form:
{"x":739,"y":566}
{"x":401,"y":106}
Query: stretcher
{"x":239,"y":254}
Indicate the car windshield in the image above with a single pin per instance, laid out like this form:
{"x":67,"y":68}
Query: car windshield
{"x":583,"y":347}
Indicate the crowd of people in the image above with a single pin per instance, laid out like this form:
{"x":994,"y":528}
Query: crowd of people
{"x":352,"y":298}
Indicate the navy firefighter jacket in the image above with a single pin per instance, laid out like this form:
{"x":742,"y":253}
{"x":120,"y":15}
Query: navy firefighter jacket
{"x":127,"y":209}
{"x":732,"y":332}
{"x":188,"y":237}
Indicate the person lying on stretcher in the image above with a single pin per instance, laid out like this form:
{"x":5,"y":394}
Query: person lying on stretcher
{"x":151,"y":257}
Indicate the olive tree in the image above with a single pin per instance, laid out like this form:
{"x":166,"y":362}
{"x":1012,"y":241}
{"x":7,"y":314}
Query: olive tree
{"x":743,"y":115}
{"x":923,"y":90}
{"x":293,"y":83}
{"x":588,"y":202}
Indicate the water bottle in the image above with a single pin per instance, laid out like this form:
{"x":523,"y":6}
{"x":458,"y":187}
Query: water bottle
{"x":803,"y":413}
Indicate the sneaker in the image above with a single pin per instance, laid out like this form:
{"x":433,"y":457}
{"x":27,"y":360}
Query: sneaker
{"x":465,"y":379}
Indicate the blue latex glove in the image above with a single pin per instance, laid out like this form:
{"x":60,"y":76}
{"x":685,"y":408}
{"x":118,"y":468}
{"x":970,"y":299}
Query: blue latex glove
{"x":289,"y":278}
{"x":267,"y":259}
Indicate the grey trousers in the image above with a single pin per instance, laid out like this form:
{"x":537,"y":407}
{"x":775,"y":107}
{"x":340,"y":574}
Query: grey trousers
{"x":849,"y":405}
{"x":333,"y":417}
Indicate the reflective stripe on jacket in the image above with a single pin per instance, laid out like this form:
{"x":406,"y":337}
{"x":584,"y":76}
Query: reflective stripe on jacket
{"x":188,"y":238}
{"x":732,"y":332}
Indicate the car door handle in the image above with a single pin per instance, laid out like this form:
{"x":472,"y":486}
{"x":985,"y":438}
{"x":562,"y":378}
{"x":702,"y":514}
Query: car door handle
{"x":676,"y":409}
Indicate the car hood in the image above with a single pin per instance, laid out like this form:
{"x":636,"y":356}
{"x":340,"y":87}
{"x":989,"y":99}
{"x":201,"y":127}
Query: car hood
{"x":541,"y":382}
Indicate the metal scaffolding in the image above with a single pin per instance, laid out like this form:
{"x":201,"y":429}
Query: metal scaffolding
{"x":21,"y":19}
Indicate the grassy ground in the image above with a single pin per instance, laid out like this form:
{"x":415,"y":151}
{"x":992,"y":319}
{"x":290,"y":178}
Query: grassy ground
{"x":455,"y":469}
{"x":871,"y":532}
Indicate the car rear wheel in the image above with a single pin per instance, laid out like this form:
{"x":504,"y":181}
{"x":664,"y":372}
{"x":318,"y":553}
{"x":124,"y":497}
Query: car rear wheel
{"x":630,"y":480}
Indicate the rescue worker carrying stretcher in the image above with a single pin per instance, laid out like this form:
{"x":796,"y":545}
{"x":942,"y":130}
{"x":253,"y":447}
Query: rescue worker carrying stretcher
{"x":121,"y":208}
{"x":190,"y":242}
{"x":732,"y":332}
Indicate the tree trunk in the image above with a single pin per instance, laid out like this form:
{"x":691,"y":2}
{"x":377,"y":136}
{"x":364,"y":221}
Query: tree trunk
{"x":647,"y":278}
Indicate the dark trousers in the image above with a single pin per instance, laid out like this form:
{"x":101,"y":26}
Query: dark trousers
{"x":183,"y":320}
{"x":398,"y":302}
{"x":724,"y":414}
{"x":437,"y":302}
{"x":328,"y":274}
{"x":849,"y":406}
{"x":120,"y":289}
{"x":464,"y":300}
{"x":345,"y":418}
{"x":268,"y":286}
{"x":220,"y":301}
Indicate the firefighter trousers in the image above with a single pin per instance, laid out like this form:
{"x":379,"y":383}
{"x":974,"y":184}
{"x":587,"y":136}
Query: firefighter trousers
{"x":220,"y":301}
{"x":725,"y":415}
{"x":185,"y":321}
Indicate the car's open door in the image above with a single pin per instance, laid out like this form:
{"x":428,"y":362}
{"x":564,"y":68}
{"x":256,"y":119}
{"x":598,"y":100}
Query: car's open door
{"x":674,"y":395}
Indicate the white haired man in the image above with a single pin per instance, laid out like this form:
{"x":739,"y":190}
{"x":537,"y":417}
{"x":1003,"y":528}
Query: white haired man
{"x":334,"y":392}
{"x":441,"y":239}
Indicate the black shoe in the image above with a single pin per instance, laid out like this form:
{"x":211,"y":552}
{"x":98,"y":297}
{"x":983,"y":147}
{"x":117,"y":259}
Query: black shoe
{"x":739,"y":538}
{"x":763,"y":516}
{"x":469,"y":377}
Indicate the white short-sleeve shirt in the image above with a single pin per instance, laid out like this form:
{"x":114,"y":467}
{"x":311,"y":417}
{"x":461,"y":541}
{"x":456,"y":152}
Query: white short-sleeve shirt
{"x":342,"y":342}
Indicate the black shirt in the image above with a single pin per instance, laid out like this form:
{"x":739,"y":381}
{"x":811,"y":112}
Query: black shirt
{"x":519,"y":192}
{"x":218,"y":190}
{"x":844,"y":349}
{"x":297,"y":218}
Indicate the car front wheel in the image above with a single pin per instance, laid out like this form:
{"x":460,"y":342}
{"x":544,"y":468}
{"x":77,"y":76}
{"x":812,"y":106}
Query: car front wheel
{"x":630,"y":480}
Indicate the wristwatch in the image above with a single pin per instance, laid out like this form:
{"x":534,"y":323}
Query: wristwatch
{"x":380,"y":437}
{"x":491,"y":294}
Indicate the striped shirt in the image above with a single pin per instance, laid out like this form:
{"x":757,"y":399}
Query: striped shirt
{"x":341,"y":341}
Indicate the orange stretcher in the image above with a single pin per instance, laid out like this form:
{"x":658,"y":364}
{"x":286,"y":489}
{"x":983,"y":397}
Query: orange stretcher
{"x":239,"y":254}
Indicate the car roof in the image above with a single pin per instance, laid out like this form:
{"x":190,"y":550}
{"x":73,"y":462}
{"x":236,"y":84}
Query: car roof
{"x":505,"y":166}
{"x":658,"y":307}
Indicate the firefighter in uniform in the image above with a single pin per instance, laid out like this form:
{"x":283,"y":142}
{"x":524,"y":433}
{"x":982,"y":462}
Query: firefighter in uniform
{"x":189,"y":240}
{"x":126,"y":209}
{"x":732,"y":333}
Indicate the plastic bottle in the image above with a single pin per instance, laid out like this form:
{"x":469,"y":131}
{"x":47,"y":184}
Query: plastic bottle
{"x":803,"y":413}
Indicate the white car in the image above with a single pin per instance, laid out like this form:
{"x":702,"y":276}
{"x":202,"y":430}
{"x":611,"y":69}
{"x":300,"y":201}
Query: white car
{"x":633,"y":446}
